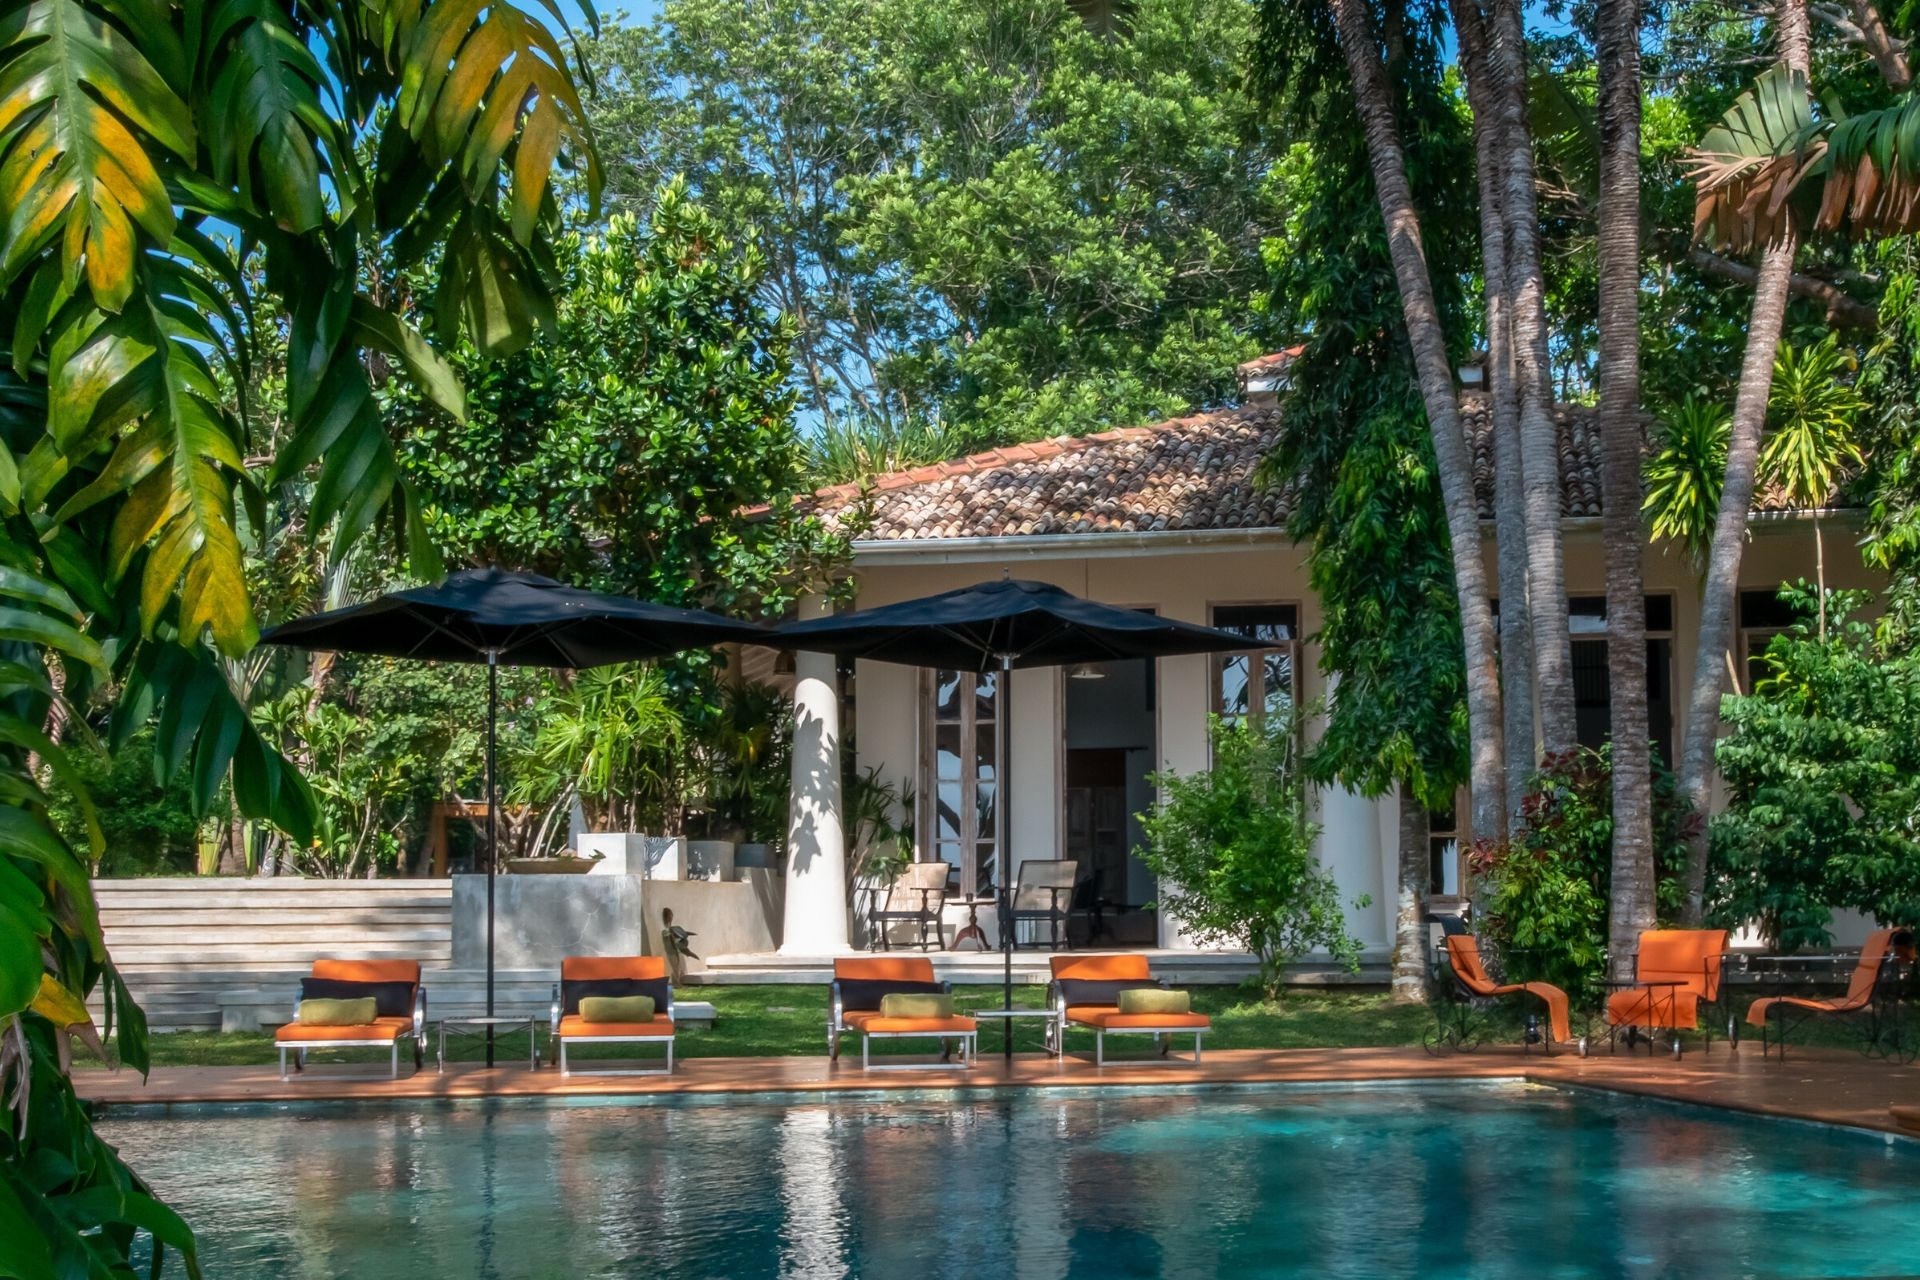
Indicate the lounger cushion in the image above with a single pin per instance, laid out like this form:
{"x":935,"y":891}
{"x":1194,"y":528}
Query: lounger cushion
{"x":950,"y":1026}
{"x":316,"y":1011}
{"x":574,"y":990}
{"x":1154,"y":1000}
{"x":1104,"y":991}
{"x":617,"y":1009}
{"x":1114,"y":1020}
{"x":391,"y":999}
{"x":916,"y":1004}
{"x":378,"y":1029}
{"x":575,"y":1027}
{"x":865,"y":995}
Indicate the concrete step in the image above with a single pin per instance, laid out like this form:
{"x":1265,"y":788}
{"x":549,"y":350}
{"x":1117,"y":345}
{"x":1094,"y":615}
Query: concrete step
{"x":1191,"y":968}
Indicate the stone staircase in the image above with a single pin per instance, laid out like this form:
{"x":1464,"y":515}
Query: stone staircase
{"x":181,"y":942}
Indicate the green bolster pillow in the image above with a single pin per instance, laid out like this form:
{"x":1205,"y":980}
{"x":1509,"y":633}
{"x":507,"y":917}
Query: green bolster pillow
{"x":914,"y":1004}
{"x":1154,"y":1000}
{"x":616,"y":1008}
{"x":320,"y":1012}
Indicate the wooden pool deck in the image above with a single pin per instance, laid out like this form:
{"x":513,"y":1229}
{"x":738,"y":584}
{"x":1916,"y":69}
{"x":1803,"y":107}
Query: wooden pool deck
{"x":1824,"y":1086}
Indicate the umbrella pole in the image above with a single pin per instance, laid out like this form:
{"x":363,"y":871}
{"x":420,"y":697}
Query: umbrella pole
{"x":1006,"y":852}
{"x":493,"y":852}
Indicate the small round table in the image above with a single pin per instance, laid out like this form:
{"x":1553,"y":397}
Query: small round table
{"x":478,"y":1026}
{"x":972,"y":929}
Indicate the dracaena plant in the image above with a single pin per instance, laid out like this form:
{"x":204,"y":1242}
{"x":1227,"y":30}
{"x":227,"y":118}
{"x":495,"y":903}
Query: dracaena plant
{"x":175,"y":181}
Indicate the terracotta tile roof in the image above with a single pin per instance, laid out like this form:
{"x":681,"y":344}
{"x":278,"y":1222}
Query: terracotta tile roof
{"x":1193,"y":473}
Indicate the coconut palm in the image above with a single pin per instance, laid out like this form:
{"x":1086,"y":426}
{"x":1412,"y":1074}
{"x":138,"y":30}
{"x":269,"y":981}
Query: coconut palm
{"x":178,"y":180}
{"x":1736,"y":202}
{"x":1810,"y":447}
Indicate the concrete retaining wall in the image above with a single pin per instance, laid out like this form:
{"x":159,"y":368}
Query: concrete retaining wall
{"x":180,"y":942}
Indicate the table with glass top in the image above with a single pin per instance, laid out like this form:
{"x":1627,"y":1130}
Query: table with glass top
{"x":1051,"y":1017}
{"x":479,"y":1026}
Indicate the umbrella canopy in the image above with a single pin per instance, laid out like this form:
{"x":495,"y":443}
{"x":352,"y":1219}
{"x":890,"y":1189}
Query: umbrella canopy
{"x":1003,"y":625}
{"x":503,"y":618}
{"x":522,"y":618}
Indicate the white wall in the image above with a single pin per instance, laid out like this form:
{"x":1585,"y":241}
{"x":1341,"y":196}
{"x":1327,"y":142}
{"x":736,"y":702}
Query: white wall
{"x":1359,"y":836}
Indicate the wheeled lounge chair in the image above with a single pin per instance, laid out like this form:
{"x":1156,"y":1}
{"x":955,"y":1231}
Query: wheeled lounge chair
{"x":861,"y":985}
{"x":615,"y":977}
{"x":399,"y":1006}
{"x":1474,"y":986}
{"x":1675,"y":972}
{"x":1087,"y":992}
{"x":1863,"y":999}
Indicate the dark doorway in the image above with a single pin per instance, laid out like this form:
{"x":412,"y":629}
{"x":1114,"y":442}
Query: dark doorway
{"x":1110,"y":740}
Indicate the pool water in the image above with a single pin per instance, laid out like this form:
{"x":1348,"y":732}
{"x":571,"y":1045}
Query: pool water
{"x":1485,"y":1181}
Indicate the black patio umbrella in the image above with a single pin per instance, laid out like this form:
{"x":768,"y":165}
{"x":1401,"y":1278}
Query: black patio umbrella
{"x":1001,"y":626}
{"x":509,"y":619}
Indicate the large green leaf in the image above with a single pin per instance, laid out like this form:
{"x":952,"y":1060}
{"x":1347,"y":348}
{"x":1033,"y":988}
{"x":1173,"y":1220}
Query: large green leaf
{"x":175,"y":469}
{"x":266,"y":130}
{"x":78,"y":98}
{"x":1749,"y":164}
{"x":479,"y":76}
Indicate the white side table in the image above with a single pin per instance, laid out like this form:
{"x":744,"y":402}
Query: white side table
{"x":1006,"y":1016}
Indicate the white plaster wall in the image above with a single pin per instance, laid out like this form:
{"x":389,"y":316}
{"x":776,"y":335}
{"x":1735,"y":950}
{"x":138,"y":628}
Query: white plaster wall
{"x":1359,"y":837}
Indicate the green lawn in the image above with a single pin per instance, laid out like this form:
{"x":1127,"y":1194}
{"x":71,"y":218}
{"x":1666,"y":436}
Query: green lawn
{"x":785,"y":1020}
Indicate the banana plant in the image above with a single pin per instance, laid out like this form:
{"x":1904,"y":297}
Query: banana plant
{"x":175,"y":180}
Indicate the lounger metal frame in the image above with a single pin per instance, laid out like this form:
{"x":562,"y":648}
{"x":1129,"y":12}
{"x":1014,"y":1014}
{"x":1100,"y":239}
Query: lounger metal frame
{"x":560,"y":1044}
{"x":1100,"y":1035}
{"x":1461,"y":1015}
{"x":418,"y":1035}
{"x":969,"y":1049}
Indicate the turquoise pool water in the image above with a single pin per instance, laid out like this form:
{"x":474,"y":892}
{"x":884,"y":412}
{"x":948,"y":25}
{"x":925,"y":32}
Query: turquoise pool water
{"x":1486,"y":1181}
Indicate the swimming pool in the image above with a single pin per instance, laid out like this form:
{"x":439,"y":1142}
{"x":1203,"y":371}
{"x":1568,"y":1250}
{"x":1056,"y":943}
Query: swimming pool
{"x":1485,"y":1181}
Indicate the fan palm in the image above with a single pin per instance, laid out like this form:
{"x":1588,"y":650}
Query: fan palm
{"x":146,"y":153}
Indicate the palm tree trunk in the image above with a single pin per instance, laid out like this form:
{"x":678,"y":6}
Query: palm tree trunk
{"x":1721,"y":593}
{"x":1631,"y":910}
{"x":1820,"y":571}
{"x":1539,"y":435}
{"x":1410,"y":915}
{"x":1435,"y":373}
{"x":1509,"y":496}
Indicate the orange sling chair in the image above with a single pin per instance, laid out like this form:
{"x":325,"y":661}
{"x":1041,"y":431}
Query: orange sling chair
{"x":1463,"y":956}
{"x":1677,"y":970}
{"x":1858,"y":999}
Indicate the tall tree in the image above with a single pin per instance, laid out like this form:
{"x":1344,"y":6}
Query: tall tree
{"x":1354,"y":446}
{"x":982,"y":214}
{"x":148,"y":152}
{"x":1622,"y":439}
{"x":1525,"y":280}
{"x":1510,"y":503}
{"x":1373,"y":101}
{"x":1721,"y":591}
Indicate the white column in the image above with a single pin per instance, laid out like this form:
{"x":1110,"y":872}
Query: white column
{"x":816,"y":905}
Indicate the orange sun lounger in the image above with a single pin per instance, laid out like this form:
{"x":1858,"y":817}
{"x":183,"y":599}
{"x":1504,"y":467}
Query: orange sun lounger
{"x":1675,"y":971}
{"x":861,"y":982}
{"x":1463,"y":957}
{"x":583,"y":976}
{"x":1859,"y":999}
{"x":1085,"y":993}
{"x":401,"y":1011}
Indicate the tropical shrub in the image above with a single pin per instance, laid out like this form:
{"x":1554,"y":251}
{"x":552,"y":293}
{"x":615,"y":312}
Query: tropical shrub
{"x":611,"y":737}
{"x":1822,"y":764}
{"x":1542,"y":904}
{"x":1233,"y":851}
